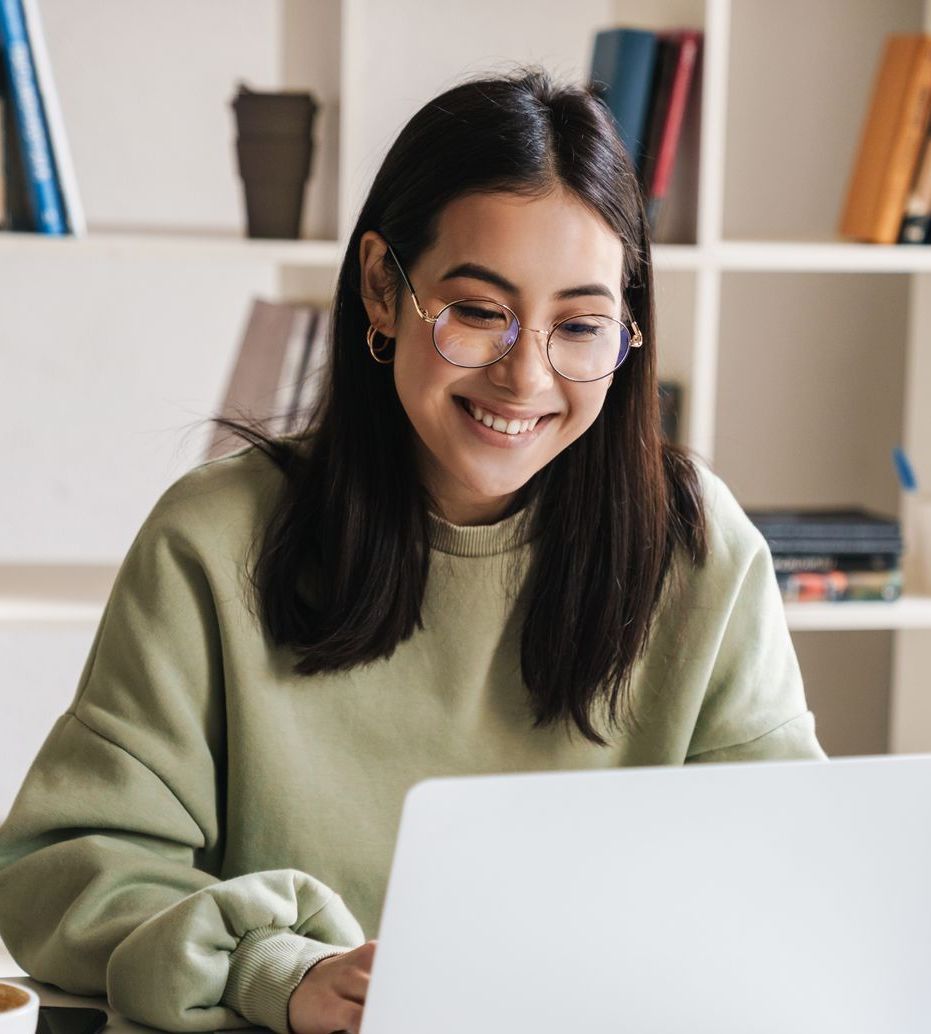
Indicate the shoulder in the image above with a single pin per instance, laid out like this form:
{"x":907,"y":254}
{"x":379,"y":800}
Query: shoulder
{"x":218,"y":505}
{"x":733,"y":539}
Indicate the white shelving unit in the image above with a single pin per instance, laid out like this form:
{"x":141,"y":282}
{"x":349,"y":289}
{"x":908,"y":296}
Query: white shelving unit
{"x":803,"y":356}
{"x":76,"y":594}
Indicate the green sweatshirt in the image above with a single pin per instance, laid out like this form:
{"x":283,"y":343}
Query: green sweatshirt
{"x":201,"y":825}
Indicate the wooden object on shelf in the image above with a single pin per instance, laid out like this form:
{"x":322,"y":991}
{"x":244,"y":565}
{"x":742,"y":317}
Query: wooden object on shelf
{"x":891,"y":141}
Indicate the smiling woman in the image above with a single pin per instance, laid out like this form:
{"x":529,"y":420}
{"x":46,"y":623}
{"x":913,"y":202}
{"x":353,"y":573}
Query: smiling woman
{"x":478,"y":556}
{"x":487,"y":364}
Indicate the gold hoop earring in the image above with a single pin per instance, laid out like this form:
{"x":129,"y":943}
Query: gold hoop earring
{"x":370,"y":341}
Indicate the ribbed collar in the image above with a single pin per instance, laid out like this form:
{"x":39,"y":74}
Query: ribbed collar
{"x":480,"y":539}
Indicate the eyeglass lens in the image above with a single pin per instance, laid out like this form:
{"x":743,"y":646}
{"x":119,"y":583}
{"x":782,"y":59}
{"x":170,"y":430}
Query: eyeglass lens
{"x":476,"y":332}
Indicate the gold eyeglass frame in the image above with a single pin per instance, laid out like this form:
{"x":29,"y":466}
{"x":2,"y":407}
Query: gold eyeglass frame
{"x":636,"y":338}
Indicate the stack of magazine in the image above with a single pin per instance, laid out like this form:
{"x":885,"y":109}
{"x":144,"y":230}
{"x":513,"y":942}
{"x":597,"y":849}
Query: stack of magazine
{"x":833,"y":554}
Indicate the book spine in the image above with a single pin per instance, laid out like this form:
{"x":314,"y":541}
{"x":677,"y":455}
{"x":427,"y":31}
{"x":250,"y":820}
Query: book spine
{"x":18,"y":213}
{"x":41,"y":180}
{"x":836,"y":586}
{"x":61,"y":150}
{"x":789,"y":563}
{"x":821,"y":545}
{"x":917,"y":216}
{"x":660,"y":93}
{"x":3,"y":160}
{"x":828,"y":530}
{"x":908,"y":146}
{"x":623,"y":61}
{"x":672,"y":129}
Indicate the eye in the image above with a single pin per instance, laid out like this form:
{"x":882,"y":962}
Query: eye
{"x":581,"y":330}
{"x":476,"y":314}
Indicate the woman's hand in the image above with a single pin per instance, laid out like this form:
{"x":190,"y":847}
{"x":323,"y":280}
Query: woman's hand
{"x":332,"y":993}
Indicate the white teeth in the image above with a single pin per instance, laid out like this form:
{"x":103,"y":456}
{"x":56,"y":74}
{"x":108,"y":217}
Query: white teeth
{"x":499,"y":423}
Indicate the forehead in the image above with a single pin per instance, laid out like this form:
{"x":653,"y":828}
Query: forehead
{"x":553,"y":241}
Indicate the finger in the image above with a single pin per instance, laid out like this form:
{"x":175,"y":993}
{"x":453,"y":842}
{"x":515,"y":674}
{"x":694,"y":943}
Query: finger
{"x":349,"y":1017}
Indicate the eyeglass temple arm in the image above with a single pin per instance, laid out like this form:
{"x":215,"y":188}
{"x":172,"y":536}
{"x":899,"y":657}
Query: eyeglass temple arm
{"x":424,"y":315}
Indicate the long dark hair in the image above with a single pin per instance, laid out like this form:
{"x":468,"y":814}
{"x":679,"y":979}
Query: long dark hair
{"x":610,"y":509}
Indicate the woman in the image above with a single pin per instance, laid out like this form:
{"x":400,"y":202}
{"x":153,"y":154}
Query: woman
{"x":479,"y":557}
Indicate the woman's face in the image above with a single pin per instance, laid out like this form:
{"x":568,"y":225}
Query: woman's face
{"x":530,"y":250}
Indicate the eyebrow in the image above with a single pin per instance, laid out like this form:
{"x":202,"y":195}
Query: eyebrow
{"x":474,"y":271}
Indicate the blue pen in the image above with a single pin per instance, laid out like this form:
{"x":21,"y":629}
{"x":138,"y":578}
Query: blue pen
{"x":904,"y":470}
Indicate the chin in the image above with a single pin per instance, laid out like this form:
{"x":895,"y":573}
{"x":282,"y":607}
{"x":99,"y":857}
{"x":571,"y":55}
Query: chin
{"x":490,"y":489}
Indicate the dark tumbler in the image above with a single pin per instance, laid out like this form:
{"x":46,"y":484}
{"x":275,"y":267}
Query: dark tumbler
{"x":274,"y":147}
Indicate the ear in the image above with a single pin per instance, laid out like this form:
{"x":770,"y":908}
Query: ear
{"x":377,"y":286}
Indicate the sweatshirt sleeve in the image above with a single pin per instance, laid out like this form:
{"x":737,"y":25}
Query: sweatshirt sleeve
{"x":111,"y":875}
{"x":754,"y":707}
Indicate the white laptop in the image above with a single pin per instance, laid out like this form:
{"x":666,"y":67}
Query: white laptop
{"x":789,"y":897}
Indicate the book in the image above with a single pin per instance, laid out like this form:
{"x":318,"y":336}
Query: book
{"x":16,"y":214}
{"x":789,"y":563}
{"x":890,"y":142}
{"x":855,"y":524}
{"x":269,"y":371}
{"x":678,"y":55}
{"x":917,"y":218}
{"x":836,"y":586}
{"x":834,"y":544}
{"x":622,"y":66}
{"x":61,"y":152}
{"x":2,"y":160}
{"x":35,"y":143}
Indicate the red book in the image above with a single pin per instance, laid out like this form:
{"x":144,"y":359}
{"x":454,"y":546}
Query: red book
{"x":679,"y":53}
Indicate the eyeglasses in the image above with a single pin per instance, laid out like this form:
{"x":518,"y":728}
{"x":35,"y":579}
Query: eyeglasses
{"x":476,"y":332}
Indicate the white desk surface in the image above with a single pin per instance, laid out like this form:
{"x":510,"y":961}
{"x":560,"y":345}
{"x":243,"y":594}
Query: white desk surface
{"x":52,"y":996}
{"x":116,"y":1024}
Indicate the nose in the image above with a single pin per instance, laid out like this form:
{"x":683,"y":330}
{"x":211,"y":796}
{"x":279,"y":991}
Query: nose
{"x":525,"y":371}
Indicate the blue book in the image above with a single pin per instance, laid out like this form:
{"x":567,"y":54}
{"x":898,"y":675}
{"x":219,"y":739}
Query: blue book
{"x":39,"y":163}
{"x":623,"y":63}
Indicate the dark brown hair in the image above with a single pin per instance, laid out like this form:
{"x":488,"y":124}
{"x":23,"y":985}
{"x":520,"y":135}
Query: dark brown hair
{"x":610,"y":509}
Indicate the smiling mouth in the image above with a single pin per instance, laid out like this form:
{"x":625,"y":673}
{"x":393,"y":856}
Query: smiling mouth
{"x":513,"y":428}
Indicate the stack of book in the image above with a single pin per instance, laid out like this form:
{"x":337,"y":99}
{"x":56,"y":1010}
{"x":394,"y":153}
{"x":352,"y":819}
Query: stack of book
{"x":38,"y":189}
{"x":889,"y":191}
{"x":277,"y":371}
{"x":833,"y":554}
{"x":645,"y":79}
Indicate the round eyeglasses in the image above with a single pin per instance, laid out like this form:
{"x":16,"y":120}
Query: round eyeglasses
{"x":475,"y":332}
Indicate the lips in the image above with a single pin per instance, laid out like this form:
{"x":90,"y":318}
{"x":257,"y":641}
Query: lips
{"x":502,"y":409}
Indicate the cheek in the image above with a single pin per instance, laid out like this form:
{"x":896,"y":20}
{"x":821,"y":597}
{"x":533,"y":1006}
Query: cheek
{"x":421,"y":378}
{"x":585,"y":402}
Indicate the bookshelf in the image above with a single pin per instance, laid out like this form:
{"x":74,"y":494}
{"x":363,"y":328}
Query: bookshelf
{"x":802,"y":355}
{"x":76,"y":593}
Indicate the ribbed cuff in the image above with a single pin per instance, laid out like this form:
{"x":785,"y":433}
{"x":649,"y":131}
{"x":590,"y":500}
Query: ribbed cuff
{"x":265,"y":968}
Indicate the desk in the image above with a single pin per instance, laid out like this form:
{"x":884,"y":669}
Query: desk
{"x":52,"y":996}
{"x":117,"y":1024}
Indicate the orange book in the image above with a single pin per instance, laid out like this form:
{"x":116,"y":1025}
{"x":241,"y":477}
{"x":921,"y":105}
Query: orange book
{"x":891,"y":141}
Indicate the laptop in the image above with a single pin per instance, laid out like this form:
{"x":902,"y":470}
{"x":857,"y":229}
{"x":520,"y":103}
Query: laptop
{"x":777,"y":897}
